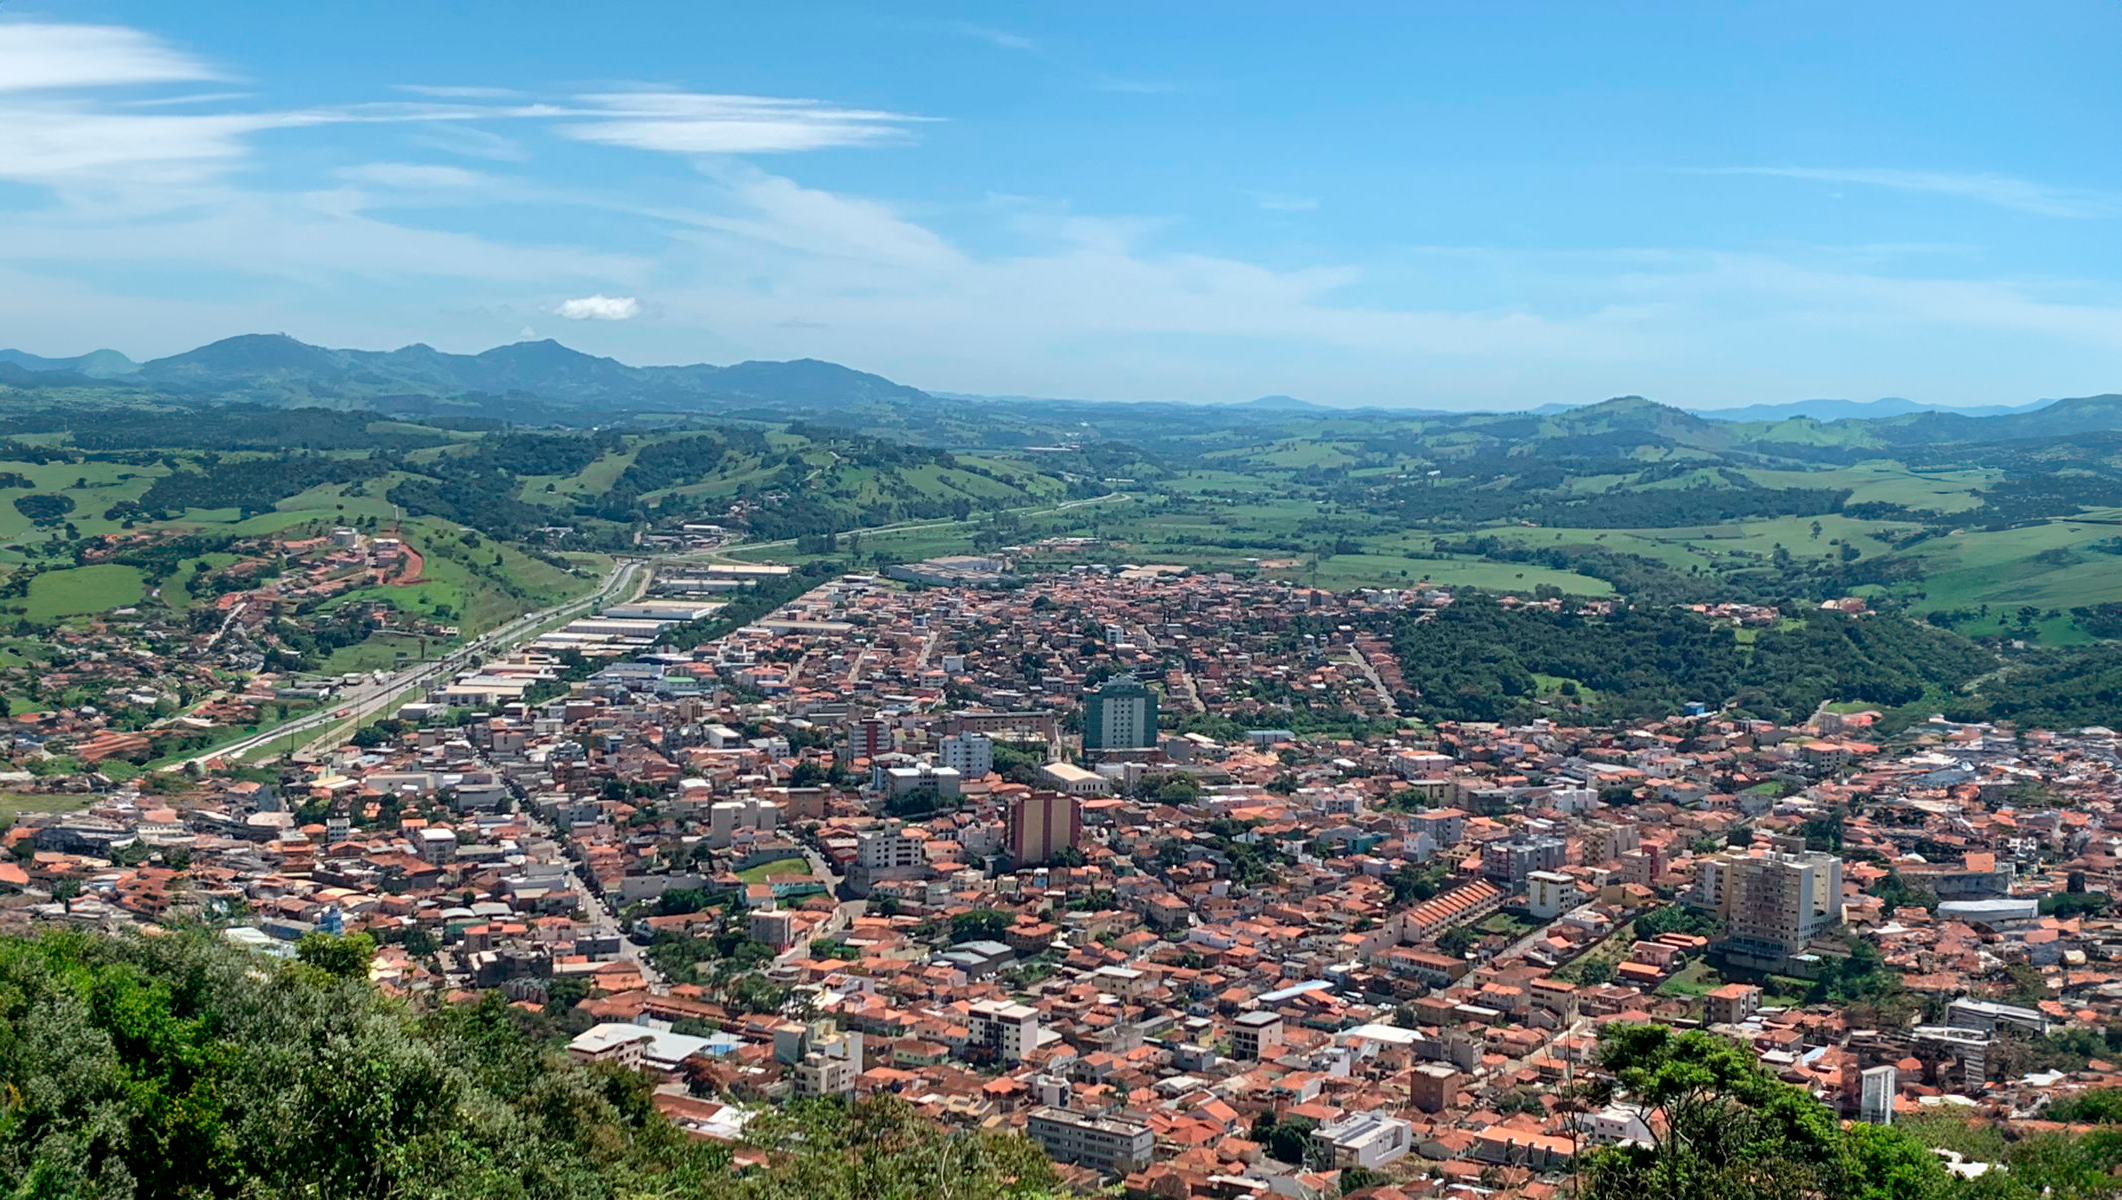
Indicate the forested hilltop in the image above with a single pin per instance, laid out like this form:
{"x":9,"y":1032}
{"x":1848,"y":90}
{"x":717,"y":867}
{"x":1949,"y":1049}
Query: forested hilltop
{"x":179,"y":1066}
{"x":1477,"y":660}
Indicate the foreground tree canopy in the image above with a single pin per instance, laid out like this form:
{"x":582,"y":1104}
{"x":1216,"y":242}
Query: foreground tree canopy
{"x":178,"y":1066}
{"x":1724,"y":1128}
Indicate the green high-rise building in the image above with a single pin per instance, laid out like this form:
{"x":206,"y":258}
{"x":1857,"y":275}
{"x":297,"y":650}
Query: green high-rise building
{"x":1120,"y":715}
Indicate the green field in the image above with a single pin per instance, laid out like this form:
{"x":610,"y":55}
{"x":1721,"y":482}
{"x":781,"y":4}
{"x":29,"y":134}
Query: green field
{"x":1889,"y":483}
{"x":1343,"y":571}
{"x":15,"y":804}
{"x":78,"y":590}
{"x":2051,"y":565}
{"x":1694,"y":980}
{"x":384,"y":650}
{"x":780,"y":866}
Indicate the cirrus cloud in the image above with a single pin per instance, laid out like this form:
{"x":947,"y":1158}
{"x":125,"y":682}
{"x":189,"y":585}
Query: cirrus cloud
{"x":599,"y":308}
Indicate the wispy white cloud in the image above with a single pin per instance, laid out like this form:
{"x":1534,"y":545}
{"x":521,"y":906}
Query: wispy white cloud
{"x":1282,"y":202}
{"x":599,"y":308}
{"x":36,"y":56}
{"x":412,"y":176}
{"x":470,"y":141}
{"x":700,"y":123}
{"x":458,"y":91}
{"x":181,"y":101}
{"x":1000,"y":39}
{"x":312,"y":238}
{"x":64,"y":123}
{"x":64,"y":142}
{"x":2002,"y":191}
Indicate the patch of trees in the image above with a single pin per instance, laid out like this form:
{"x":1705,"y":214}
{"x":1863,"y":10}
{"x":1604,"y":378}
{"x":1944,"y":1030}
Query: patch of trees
{"x":182,"y":1066}
{"x":763,"y":597}
{"x":1666,"y":508}
{"x":176,"y":1066}
{"x":44,"y":508}
{"x":245,"y":427}
{"x":1643,"y":579}
{"x":14,"y":451}
{"x":252,"y":485}
{"x":1484,"y":492}
{"x":484,"y":500}
{"x":530,"y":454}
{"x":2103,"y":620}
{"x":2055,"y":689}
{"x":684,"y":460}
{"x":1476,"y":660}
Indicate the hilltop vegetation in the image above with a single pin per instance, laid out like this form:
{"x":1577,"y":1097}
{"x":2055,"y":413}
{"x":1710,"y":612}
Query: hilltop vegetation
{"x":179,"y":1066}
{"x":1724,"y":1128}
{"x":1475,"y":660}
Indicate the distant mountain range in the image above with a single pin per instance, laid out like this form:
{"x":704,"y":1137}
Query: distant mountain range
{"x":96,"y":364}
{"x":1857,"y":410}
{"x":277,"y":369}
{"x":544,"y":380}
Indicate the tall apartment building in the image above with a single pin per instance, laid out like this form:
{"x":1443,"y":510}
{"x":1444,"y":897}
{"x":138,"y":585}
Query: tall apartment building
{"x":826,"y":1060}
{"x":1549,"y":894}
{"x":1773,"y":905}
{"x":1041,"y":825}
{"x":1256,"y":1035}
{"x":971,"y":755}
{"x":1434,"y":1087}
{"x":1606,"y":841}
{"x":867,"y":738}
{"x":888,"y":846}
{"x":1003,"y":1029}
{"x":1876,"y":1088}
{"x":1108,"y":1144}
{"x":886,"y":853}
{"x":726,"y":817}
{"x":1121,"y":715}
{"x":1508,"y":862}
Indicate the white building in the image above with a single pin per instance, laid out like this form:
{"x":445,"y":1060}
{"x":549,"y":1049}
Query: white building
{"x":1107,"y":1144}
{"x":726,"y":817}
{"x":886,"y":853}
{"x":438,"y":845}
{"x":1773,"y":904}
{"x":1004,"y":1029}
{"x":1067,"y":777}
{"x":1367,"y":1139}
{"x":826,"y":1059}
{"x":888,"y":848}
{"x":971,"y":755}
{"x":1549,"y":894}
{"x":921,"y":777}
{"x":1875,"y":1102}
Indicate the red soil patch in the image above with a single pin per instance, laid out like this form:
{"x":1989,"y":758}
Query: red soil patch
{"x":409,"y":569}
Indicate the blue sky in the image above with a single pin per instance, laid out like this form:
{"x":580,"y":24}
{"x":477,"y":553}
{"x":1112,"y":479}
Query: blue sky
{"x":1441,"y":206}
